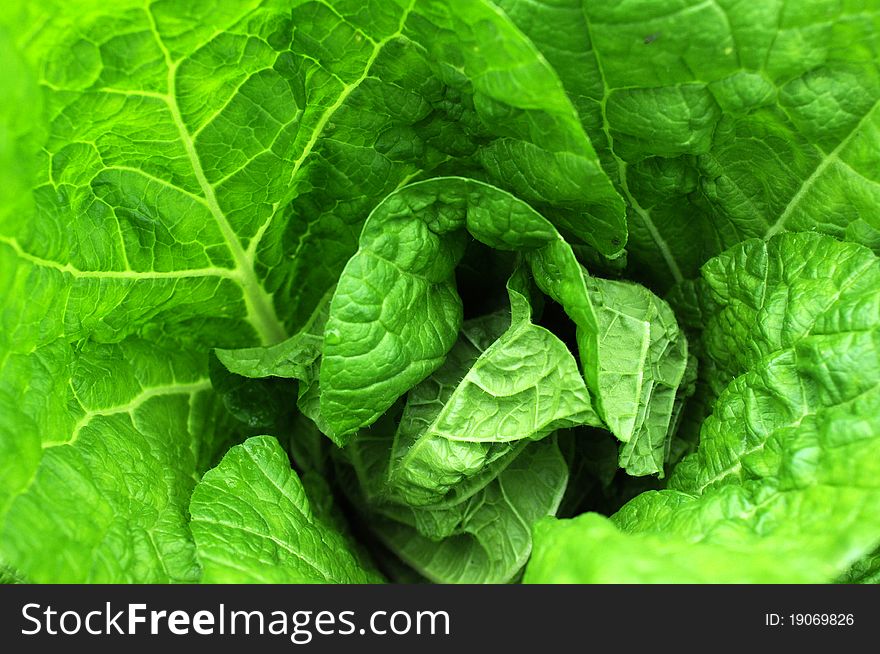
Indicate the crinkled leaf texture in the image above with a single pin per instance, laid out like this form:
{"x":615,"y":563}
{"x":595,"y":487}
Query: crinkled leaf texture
{"x":488,"y":396}
{"x":642,"y":357}
{"x":724,"y":120}
{"x":483,"y":537}
{"x":109,"y":474}
{"x":292,"y":184}
{"x":430,"y":474}
{"x":453,"y":485}
{"x":395,"y":313}
{"x":452,"y":482}
{"x":253,"y":523}
{"x":789,"y":460}
{"x":193,"y":165}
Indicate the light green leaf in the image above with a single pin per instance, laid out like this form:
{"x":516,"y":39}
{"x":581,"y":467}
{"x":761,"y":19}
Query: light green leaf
{"x":95,"y":486}
{"x":725,"y":120}
{"x":18,"y":89}
{"x":590,"y":550}
{"x":252,"y":523}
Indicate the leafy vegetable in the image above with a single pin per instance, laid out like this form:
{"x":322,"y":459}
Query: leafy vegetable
{"x":300,"y":290}
{"x":720,"y":121}
{"x":788,"y":460}
{"x":395,"y":312}
{"x":251,"y":522}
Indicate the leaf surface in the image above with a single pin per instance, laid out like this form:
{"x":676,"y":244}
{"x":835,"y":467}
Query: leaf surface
{"x":252,"y":522}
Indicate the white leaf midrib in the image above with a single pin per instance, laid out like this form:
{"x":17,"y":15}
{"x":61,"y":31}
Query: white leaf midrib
{"x":259,"y":304}
{"x":327,"y":115}
{"x":643,"y":214}
{"x":814,"y":177}
{"x":146,"y":394}
{"x":260,"y":308}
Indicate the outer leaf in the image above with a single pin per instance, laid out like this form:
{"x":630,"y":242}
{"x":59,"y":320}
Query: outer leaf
{"x":766,"y":298}
{"x":725,"y":120}
{"x":91,"y":486}
{"x":589,"y":549}
{"x":165,"y":191}
{"x":108,"y":471}
{"x":793,"y":315}
{"x":252,"y":523}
